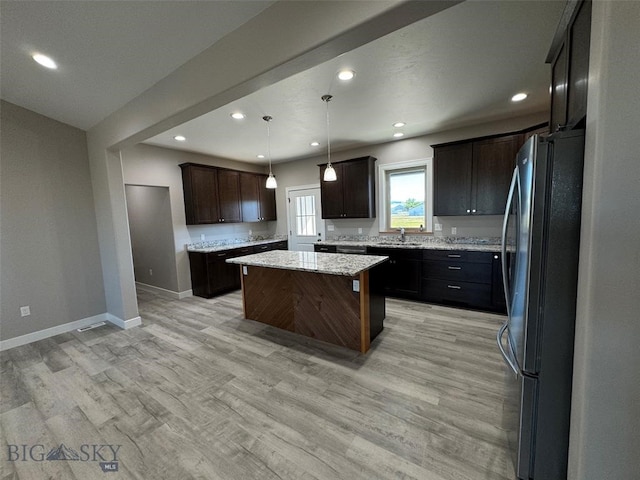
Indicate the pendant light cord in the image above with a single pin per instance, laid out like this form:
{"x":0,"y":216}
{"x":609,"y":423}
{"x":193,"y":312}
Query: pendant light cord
{"x":326,"y":99}
{"x":267,"y":119}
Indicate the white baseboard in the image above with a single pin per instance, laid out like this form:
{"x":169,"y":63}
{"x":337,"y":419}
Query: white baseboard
{"x":51,"y":332}
{"x":124,"y":324}
{"x":164,"y":291}
{"x":68,"y":327}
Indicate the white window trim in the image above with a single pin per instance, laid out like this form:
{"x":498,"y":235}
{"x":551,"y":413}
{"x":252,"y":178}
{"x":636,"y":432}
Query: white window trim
{"x":383,"y":169}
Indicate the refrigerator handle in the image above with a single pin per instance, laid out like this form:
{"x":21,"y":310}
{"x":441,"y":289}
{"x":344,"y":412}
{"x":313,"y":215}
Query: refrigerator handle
{"x":507,"y":358}
{"x":505,"y":221}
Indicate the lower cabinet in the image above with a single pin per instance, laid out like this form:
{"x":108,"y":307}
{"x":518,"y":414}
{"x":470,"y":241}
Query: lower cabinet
{"x":462,"y":278}
{"x":211,"y":275}
{"x":400,"y":276}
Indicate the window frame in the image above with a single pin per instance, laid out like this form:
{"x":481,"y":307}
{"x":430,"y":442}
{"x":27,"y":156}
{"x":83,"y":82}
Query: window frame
{"x":384,"y":202}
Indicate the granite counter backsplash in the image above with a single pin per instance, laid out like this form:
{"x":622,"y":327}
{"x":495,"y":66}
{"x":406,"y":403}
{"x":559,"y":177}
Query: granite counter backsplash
{"x":489,"y":244}
{"x":217,"y":245}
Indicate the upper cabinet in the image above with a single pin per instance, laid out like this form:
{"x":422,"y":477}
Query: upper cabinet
{"x":352,"y":195}
{"x":258,"y":201}
{"x":220,"y":195}
{"x":569,"y":59}
{"x":472,"y":177}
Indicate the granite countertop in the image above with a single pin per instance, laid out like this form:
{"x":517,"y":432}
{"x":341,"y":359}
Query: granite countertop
{"x":478,"y":247}
{"x":207,"y":247}
{"x":329,"y":263}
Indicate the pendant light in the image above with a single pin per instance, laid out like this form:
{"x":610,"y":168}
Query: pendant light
{"x":271,"y":180}
{"x":329,"y":172}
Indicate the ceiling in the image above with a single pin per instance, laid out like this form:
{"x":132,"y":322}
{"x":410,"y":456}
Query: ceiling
{"x":457,"y":68}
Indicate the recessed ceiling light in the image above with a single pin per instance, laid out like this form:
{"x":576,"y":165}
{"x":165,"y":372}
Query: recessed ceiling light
{"x":315,"y":144}
{"x":237,"y":115}
{"x":260,"y":156}
{"x":399,"y":124}
{"x":398,"y":134}
{"x":180,"y":138}
{"x":45,"y":61}
{"x":518,"y":97}
{"x":346,"y":74}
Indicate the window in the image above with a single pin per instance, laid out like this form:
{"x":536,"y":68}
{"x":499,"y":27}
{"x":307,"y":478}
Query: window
{"x":406,"y":196}
{"x":306,"y":215}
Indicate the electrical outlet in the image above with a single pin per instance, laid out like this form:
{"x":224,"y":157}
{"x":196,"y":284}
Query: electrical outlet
{"x":438,"y":227}
{"x":359,"y":231}
{"x":454,"y":230}
{"x":151,"y":272}
{"x":25,"y":311}
{"x":202,"y":237}
{"x":331,"y":228}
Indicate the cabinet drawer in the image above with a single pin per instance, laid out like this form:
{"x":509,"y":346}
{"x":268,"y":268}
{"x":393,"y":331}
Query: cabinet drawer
{"x":458,"y":255}
{"x":217,"y":256}
{"x":459,"y":271}
{"x":471,"y":294}
{"x":324,"y":248}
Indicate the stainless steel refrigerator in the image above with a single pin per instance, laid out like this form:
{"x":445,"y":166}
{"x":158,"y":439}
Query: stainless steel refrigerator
{"x":540,"y":243}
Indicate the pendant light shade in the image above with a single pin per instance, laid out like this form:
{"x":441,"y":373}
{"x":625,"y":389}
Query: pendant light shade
{"x":271,"y":180}
{"x":329,"y":172}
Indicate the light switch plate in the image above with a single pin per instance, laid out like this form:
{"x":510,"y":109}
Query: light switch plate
{"x":245,"y":270}
{"x":331,"y":228}
{"x":356,"y":285}
{"x":438,"y":227}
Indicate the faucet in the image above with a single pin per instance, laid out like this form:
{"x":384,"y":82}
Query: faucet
{"x":402,"y":237}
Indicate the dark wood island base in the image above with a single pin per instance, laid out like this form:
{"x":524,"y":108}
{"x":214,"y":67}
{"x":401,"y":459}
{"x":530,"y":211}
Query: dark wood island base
{"x":336,"y":309}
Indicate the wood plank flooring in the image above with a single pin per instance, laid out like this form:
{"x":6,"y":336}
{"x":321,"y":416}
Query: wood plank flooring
{"x":199,"y":392}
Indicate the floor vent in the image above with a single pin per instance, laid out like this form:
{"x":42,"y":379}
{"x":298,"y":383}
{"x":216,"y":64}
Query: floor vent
{"x":95,"y":325}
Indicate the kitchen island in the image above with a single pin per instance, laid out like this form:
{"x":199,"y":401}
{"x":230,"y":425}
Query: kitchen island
{"x":319,"y":295}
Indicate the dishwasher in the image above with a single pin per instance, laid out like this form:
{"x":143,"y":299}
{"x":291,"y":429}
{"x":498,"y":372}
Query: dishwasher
{"x":352,"y":249}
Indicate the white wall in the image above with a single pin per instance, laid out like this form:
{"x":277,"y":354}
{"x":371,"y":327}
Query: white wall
{"x":306,"y":172}
{"x":50,"y":253}
{"x":605,"y":422}
{"x":156,"y":166}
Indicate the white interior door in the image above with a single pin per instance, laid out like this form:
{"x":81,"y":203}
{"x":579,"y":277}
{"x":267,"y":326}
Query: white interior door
{"x":304,"y":217}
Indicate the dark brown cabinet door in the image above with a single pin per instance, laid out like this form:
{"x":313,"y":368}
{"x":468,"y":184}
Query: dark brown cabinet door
{"x":250,"y":197}
{"x":267,"y":200}
{"x":493,"y":164}
{"x":579,"y":41}
{"x":352,"y":195}
{"x":358,"y":190}
{"x":559,"y":91}
{"x":452,"y":185}
{"x":200,"y":184}
{"x":331,"y":195}
{"x":229,"y":196}
{"x":258,"y":201}
{"x":569,"y":57}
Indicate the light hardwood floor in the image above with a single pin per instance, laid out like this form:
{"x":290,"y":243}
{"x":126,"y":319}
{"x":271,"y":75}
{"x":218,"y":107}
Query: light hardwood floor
{"x":199,"y":392}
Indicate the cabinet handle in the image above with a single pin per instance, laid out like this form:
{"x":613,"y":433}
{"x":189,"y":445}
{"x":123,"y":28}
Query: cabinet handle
{"x":454,"y":287}
{"x":222,"y":255}
{"x":455,"y":268}
{"x":453,"y":255}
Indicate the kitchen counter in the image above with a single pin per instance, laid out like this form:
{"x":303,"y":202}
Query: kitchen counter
{"x":327,"y":263}
{"x":208,"y":247}
{"x":478,"y":247}
{"x":325,"y":296}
